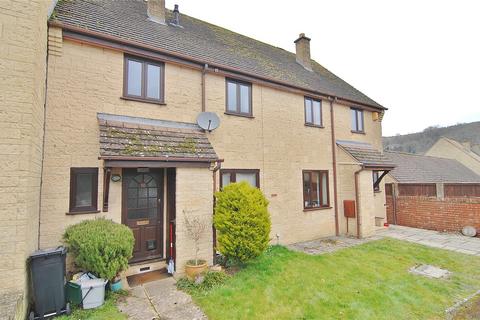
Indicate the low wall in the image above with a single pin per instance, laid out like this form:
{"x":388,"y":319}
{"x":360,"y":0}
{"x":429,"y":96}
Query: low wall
{"x":449,"y":214}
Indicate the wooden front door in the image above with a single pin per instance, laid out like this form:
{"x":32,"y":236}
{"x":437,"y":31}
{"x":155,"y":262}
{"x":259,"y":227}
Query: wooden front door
{"x":142,"y":211}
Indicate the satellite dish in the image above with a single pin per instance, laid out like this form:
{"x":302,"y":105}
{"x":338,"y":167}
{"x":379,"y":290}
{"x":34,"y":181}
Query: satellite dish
{"x":208,"y":121}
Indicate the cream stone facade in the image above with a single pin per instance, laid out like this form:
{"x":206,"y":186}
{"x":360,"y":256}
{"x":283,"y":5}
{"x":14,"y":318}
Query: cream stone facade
{"x":85,"y":80}
{"x":47,"y":130}
{"x":451,"y":149}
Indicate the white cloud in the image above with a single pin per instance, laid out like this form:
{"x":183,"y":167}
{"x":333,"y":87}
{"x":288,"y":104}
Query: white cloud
{"x":418,"y":58}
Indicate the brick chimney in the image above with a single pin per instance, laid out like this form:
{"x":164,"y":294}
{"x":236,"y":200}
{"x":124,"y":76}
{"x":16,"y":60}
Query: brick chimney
{"x":156,"y":10}
{"x":302,"y":46}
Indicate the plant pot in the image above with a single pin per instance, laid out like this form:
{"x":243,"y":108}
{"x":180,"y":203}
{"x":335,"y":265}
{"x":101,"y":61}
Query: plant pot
{"x":193,"y":270}
{"x":116,"y":285}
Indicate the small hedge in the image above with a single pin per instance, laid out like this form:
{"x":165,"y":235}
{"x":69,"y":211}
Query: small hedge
{"x":242,"y":221}
{"x":100,"y":246}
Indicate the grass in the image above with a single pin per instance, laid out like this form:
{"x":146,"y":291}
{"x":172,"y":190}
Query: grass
{"x":370,"y":281}
{"x":107,"y":311}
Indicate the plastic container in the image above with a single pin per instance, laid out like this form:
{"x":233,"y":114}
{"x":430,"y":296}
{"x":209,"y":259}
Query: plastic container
{"x":93,"y":293}
{"x":116,"y":286}
{"x":74,"y":293}
{"x":47,"y":275}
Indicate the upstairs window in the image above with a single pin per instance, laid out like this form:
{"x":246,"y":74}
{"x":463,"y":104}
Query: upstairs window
{"x":143,"y":80}
{"x":239,"y":98}
{"x":238,"y":175}
{"x":313,"y":112}
{"x":315,"y":189}
{"x":83,"y":189}
{"x":357,"y":120}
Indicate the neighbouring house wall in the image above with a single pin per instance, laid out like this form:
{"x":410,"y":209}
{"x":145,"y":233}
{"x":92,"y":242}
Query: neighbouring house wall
{"x":450,"y":214}
{"x":193,"y":199}
{"x":23,"y":50}
{"x":445,"y":149}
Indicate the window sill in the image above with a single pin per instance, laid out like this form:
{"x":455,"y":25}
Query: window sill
{"x":314,"y":125}
{"x":239,"y":114}
{"x":359,"y":132}
{"x":377,"y":191}
{"x":71,"y":213}
{"x":162,"y":103}
{"x":315,"y":209}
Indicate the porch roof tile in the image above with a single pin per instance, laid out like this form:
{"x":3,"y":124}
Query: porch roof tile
{"x":133,"y":137}
{"x":366,"y":154}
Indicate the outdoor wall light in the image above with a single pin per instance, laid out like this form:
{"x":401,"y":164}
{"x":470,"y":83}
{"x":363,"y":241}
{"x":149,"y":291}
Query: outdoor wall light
{"x":116,"y":177}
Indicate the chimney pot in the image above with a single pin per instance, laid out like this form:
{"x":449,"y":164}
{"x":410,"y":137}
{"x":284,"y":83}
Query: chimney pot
{"x":176,"y":16}
{"x":156,"y":10}
{"x":302,"y":46}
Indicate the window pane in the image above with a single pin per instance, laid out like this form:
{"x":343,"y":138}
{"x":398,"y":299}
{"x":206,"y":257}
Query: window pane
{"x":324,"y":189}
{"x":317,"y":113}
{"x":83,"y":198}
{"x":225,"y":179}
{"x":134,"y":85}
{"x":306,"y":189}
{"x":315,"y":193}
{"x":153,"y":82}
{"x":354,"y":119}
{"x":251,"y":178}
{"x":231,"y":96}
{"x":244,"y":98}
{"x":308,"y":111}
{"x":360,"y":120}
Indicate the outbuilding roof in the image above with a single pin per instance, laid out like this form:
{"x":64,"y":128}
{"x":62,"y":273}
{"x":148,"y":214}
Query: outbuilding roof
{"x":414,"y":168}
{"x":213,"y":45}
{"x":366,"y":154}
{"x":123,"y":137}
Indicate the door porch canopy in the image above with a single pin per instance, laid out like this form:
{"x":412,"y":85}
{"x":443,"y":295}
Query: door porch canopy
{"x":134,"y":142}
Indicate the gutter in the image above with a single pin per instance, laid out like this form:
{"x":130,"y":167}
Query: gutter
{"x":357,"y":200}
{"x":99,"y":35}
{"x":334,"y":164}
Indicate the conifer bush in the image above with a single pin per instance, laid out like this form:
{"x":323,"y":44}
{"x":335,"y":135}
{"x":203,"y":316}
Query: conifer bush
{"x":100,"y":246}
{"x":242,"y":221}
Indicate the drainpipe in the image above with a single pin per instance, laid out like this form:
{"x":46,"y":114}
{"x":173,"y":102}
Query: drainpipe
{"x":357,"y":200}
{"x":217,"y":167}
{"x":334,"y":164}
{"x":204,"y":72}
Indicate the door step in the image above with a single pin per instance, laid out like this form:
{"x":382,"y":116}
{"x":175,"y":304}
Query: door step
{"x":145,"y":266}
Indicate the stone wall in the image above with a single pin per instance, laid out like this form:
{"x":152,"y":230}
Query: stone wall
{"x":23,"y":50}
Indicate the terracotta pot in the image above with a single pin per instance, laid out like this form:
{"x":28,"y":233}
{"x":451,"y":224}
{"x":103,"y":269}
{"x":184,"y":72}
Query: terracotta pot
{"x":193,"y":270}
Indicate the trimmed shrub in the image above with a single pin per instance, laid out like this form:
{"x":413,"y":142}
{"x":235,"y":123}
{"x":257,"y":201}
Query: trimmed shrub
{"x":242,"y":221}
{"x":100,"y":246}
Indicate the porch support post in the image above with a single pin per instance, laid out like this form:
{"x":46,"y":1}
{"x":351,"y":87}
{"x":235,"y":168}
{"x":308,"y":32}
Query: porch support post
{"x":107,"y":172}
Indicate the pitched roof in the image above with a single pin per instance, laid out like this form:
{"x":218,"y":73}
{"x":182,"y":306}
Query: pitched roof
{"x":365,"y":154}
{"x":462,"y":147}
{"x":132,"y":137}
{"x":414,"y":168}
{"x":128,"y":20}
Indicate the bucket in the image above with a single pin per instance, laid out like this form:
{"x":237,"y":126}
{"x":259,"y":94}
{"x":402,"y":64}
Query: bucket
{"x":116,"y":286}
{"x":93,"y":293}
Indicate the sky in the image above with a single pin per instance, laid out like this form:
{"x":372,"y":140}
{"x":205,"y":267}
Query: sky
{"x":420,"y":59}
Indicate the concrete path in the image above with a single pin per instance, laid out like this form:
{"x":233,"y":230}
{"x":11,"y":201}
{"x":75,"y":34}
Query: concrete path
{"x":160,"y":300}
{"x":448,"y":241}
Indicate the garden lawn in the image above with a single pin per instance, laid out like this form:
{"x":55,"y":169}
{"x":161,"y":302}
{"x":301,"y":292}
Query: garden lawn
{"x":369,"y":281}
{"x":107,"y":311}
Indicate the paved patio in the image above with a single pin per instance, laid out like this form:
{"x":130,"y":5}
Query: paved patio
{"x":435,"y":239}
{"x":449,"y":241}
{"x":160,"y":300}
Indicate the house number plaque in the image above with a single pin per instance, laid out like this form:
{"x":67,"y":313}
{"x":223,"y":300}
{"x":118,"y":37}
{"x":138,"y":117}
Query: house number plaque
{"x":143,"y":222}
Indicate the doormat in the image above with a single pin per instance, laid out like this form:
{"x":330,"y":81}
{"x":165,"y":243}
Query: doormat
{"x":141,"y":278}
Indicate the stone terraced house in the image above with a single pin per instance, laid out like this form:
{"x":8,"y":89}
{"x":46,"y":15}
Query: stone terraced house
{"x":101,"y":121}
